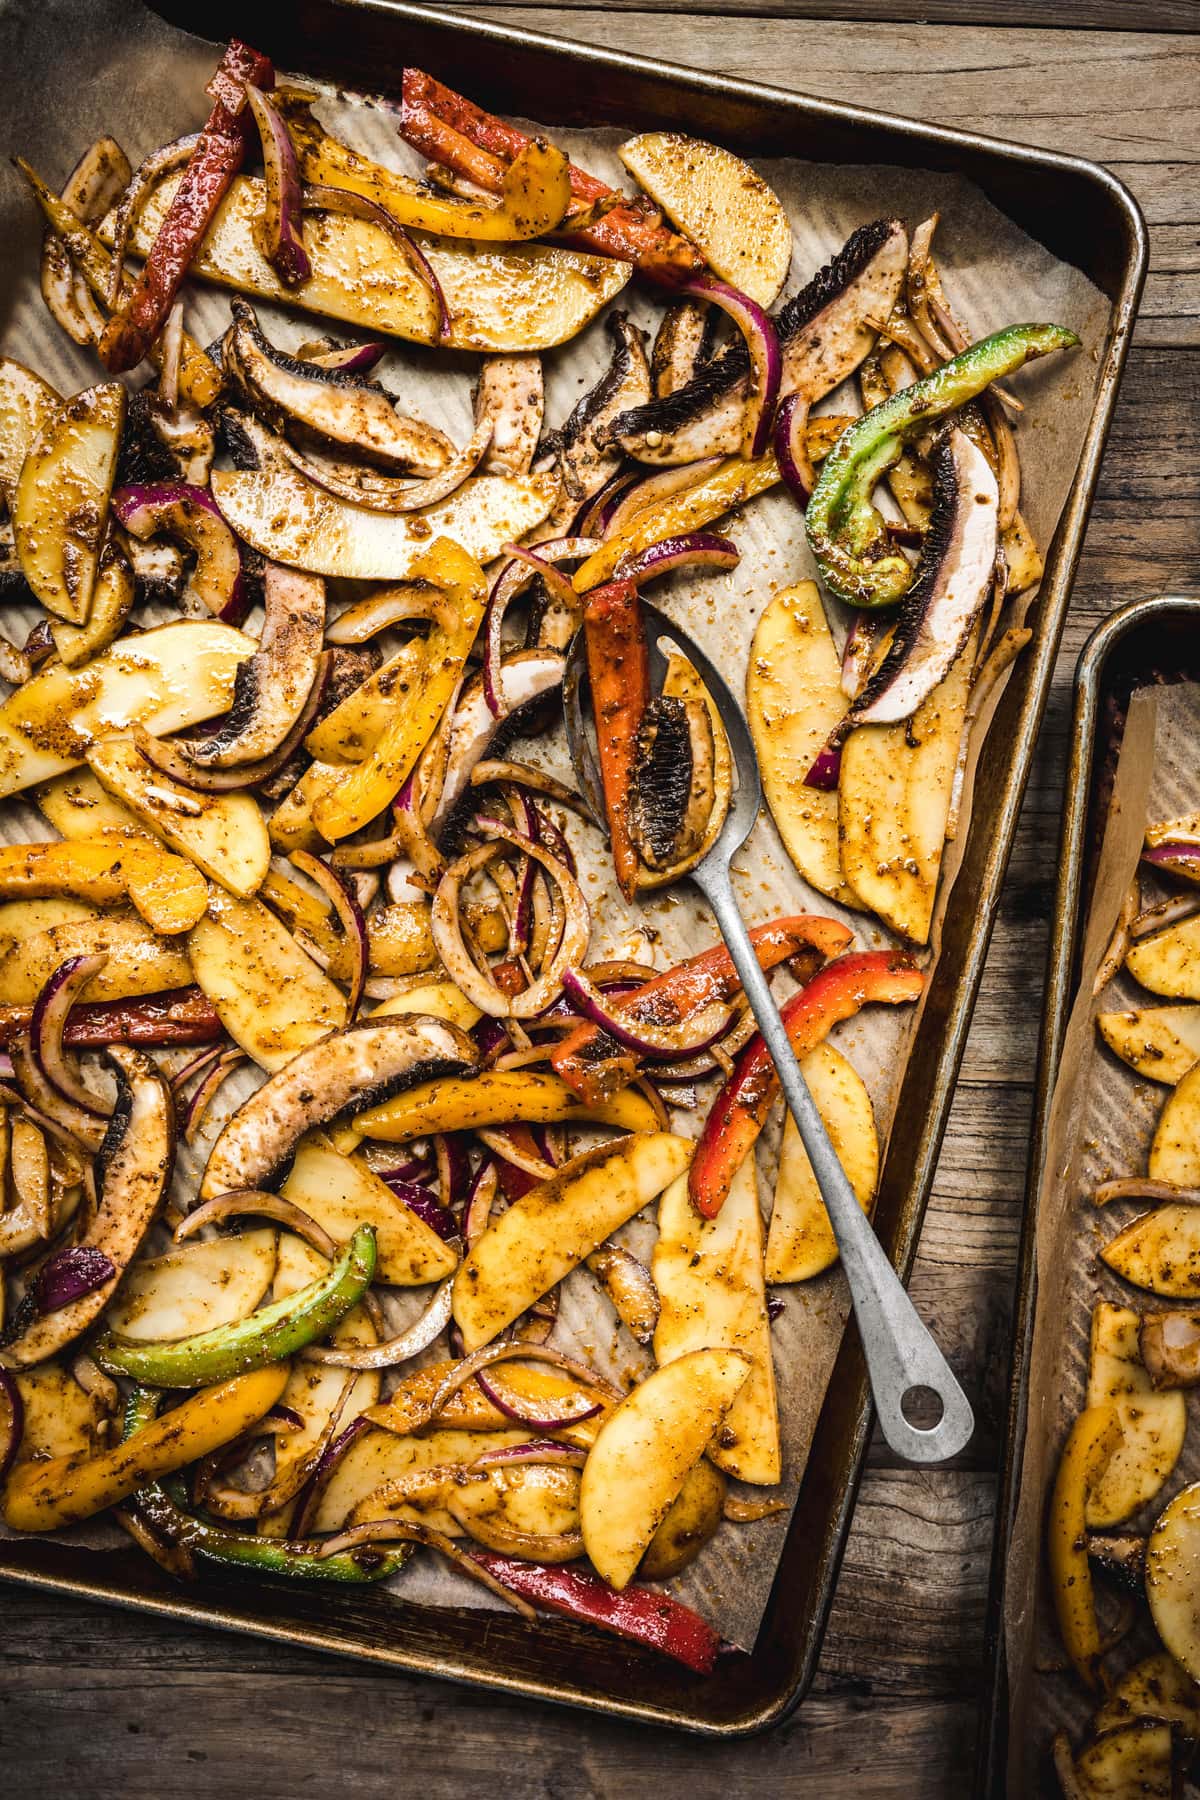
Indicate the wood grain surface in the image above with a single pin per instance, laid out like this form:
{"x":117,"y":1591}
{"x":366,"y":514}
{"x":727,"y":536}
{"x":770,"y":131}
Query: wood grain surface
{"x":98,"y":1704}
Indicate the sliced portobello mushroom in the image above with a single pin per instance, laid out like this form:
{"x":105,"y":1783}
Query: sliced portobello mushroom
{"x":673,"y":782}
{"x":510,"y":396}
{"x":1169,"y":1343}
{"x":337,"y":407}
{"x":133,"y":1171}
{"x":958,"y":560}
{"x":271,"y":686}
{"x":685,"y":341}
{"x":349,"y":1070}
{"x":824,"y":332}
{"x":526,"y":677}
{"x":581,"y":446}
{"x":1121,"y":1557}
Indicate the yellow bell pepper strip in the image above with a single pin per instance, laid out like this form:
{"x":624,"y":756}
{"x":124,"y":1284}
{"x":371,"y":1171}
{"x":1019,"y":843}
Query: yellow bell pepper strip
{"x":268,"y":1335}
{"x":200,"y":380}
{"x":619,"y":677}
{"x":168,"y":891}
{"x":1091,"y":1442}
{"x":856,"y":559}
{"x":374,"y":783}
{"x":44,"y":1496}
{"x":740,"y":1110}
{"x":534,"y":195}
{"x":498,"y":1097}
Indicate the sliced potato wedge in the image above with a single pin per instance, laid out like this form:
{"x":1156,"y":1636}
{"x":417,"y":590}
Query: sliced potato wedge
{"x":709,"y":1275}
{"x":1173,"y":1578}
{"x":1131,"y":1762}
{"x":61,"y":1419}
{"x":60,"y":507}
{"x":548,"y":1231}
{"x":1159,"y":1251}
{"x":441,"y":999}
{"x":800,"y":1242}
{"x":894,"y":795}
{"x":539,"y":1499}
{"x":1156,"y":1688}
{"x":286,"y":517}
{"x":166,"y":679}
{"x":21,"y":919}
{"x":721,"y":203}
{"x":794,"y":699}
{"x":1160,"y":1042}
{"x":78,"y":807}
{"x":27,"y":405}
{"x":194,"y":1288}
{"x":107,"y":870}
{"x":341,"y":1194}
{"x":1175,"y":1151}
{"x":500,"y":296}
{"x":139,"y":961}
{"x":380,"y":1456}
{"x":1168,"y":962}
{"x":463,"y":1103}
{"x":643,"y":1452}
{"x":273,"y":1000}
{"x":692,"y":1519}
{"x":223,"y":834}
{"x":1152,"y":1424}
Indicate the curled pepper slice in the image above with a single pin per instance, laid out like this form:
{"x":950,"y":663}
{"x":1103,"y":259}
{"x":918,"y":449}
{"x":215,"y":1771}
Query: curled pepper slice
{"x":740,"y":1110}
{"x":619,"y":676}
{"x":1092,"y":1440}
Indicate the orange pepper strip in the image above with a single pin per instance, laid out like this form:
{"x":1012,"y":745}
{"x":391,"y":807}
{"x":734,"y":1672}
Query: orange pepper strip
{"x":619,"y":675}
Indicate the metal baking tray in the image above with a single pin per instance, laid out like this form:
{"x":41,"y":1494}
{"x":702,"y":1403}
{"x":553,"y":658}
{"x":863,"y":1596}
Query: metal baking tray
{"x":1128,"y":651}
{"x":1083,"y":216}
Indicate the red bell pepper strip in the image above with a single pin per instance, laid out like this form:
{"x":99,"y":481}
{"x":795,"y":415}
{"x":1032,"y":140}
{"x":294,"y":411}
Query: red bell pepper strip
{"x":214,"y":162}
{"x":637,"y":1613}
{"x":176,"y":1016}
{"x":619,"y":676}
{"x":589,"y":1061}
{"x":453,"y":131}
{"x":740,"y":1110}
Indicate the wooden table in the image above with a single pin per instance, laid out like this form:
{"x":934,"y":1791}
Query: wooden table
{"x":98,"y":1704}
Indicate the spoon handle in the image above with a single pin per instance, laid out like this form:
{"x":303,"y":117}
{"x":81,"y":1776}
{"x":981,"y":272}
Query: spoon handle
{"x":900,"y":1352}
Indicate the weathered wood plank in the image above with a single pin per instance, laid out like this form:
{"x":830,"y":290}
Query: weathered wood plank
{"x":1083,"y":15}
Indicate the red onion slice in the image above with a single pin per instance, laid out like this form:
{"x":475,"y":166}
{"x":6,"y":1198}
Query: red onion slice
{"x":826,"y":770}
{"x":12,"y":1421}
{"x":189,"y":513}
{"x":165,"y":757}
{"x":283,"y":218}
{"x":351,"y":359}
{"x":85,"y":1128}
{"x":432,"y":1322}
{"x":397,"y":605}
{"x":546,"y":1414}
{"x":791,"y":448}
{"x":592,"y":519}
{"x":540,"y":1450}
{"x":1176,"y":858}
{"x":481,"y":1197}
{"x":667,"y":1043}
{"x":858,"y":653}
{"x":51,"y":1010}
{"x":320,"y":198}
{"x":197,"y":1107}
{"x":78,"y":1270}
{"x":691,"y":550}
{"x":650,"y":491}
{"x":762,"y":341}
{"x":197,"y":1066}
{"x":430,"y":1211}
{"x":310,"y":1496}
{"x":257,"y":1203}
{"x":514,"y":577}
{"x":344,"y":900}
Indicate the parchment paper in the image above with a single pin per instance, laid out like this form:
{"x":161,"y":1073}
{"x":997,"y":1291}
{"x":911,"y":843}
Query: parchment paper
{"x":1102,"y":1119}
{"x":91,"y":68}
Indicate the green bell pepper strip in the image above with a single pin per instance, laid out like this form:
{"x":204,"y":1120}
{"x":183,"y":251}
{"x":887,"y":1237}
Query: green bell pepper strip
{"x":855,"y":557}
{"x":267,"y":1336}
{"x":158,"y":1509}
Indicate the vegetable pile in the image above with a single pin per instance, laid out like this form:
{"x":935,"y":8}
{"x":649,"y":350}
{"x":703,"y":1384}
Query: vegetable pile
{"x":309,"y":912}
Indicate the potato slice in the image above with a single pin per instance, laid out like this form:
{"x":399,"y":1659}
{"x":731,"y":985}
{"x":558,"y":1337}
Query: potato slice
{"x":721,"y":203}
{"x":548,"y":1231}
{"x":78,"y":807}
{"x":1175,"y":1151}
{"x":380,"y":1456}
{"x":165,"y":679}
{"x":139,"y":961}
{"x":500,"y":296}
{"x":693,"y":1518}
{"x":1159,"y":1251}
{"x":225,"y":835}
{"x":286,"y":517}
{"x":27,"y":405}
{"x":709,"y":1275}
{"x":1156,"y":1688}
{"x":60,"y":507}
{"x":194,"y":1288}
{"x":1160,"y":1042}
{"x":1132,"y":1762}
{"x":541,"y":1499}
{"x":498,"y":1097}
{"x":61,"y":1419}
{"x":1168,"y":962}
{"x":800,"y":1243}
{"x":894,"y":803}
{"x":441,"y":999}
{"x":1173,"y":1578}
{"x":106,"y":870}
{"x":643,"y":1452}
{"x":1152,"y":1424}
{"x":407,"y":1408}
{"x":794,"y":699}
{"x":273,"y":1000}
{"x":342,"y":1194}
{"x":21,"y":919}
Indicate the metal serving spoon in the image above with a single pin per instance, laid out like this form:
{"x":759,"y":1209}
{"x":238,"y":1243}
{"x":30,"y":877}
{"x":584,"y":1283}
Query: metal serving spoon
{"x":901,"y":1354}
